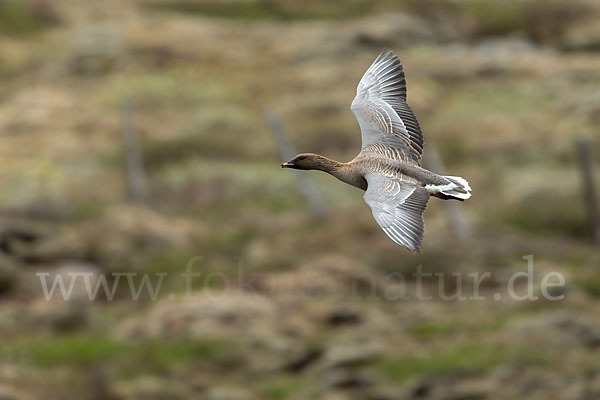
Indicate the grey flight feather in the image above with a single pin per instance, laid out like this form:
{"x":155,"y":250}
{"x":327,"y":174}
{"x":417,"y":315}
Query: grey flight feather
{"x":381,"y":109}
{"x":398,"y":209}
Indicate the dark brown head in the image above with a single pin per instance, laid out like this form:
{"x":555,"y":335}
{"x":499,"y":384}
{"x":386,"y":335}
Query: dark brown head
{"x":306,"y":161}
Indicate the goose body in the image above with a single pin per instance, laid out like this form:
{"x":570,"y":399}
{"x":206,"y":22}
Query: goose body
{"x":388,"y":167}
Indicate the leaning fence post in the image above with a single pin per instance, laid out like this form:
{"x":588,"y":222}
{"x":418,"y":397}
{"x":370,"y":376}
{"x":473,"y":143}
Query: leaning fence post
{"x":583,"y":149}
{"x":454,"y":216}
{"x":287,"y":150}
{"x":136,"y":177}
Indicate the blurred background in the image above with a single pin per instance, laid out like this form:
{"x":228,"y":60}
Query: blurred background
{"x":144,"y":137}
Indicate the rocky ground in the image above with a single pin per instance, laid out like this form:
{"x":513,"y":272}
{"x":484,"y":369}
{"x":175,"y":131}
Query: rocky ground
{"x":289,"y":305}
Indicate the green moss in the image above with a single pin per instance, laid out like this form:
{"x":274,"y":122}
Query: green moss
{"x":170,"y":262}
{"x":469,"y":358}
{"x":281,"y":389}
{"x":71,"y":351}
{"x":148,"y":355}
{"x":430,"y":330}
{"x":87,"y":211}
{"x":163,"y":354}
{"x":435,"y":329}
{"x":22,"y":18}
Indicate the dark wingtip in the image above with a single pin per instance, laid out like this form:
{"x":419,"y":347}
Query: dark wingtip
{"x":382,"y":54}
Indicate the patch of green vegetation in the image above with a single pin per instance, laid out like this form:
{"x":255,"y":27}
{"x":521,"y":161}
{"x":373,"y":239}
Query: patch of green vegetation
{"x":518,"y":97}
{"x":434,"y":329}
{"x":590,"y":284}
{"x":269,"y":9}
{"x":147,"y":355}
{"x":430,"y":330}
{"x":179,"y":86}
{"x":169,"y":262}
{"x":74,"y":351}
{"x":470,"y":358}
{"x":160,"y":355}
{"x":226,"y":241}
{"x":546,"y":212}
{"x":486,"y":105}
{"x":23,"y":18}
{"x":205,"y":258}
{"x":82,"y":211}
{"x":281,"y":389}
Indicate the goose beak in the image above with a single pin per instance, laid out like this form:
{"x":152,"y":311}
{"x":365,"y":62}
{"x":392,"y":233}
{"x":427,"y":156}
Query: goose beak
{"x":289,"y":164}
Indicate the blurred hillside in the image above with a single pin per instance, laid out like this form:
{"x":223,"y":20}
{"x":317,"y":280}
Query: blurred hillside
{"x":290,"y":306}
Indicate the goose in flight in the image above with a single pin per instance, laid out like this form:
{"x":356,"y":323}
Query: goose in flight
{"x":387,"y":167}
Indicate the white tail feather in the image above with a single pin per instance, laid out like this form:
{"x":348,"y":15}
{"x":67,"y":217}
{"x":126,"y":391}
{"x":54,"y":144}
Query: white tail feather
{"x":460,"y":183}
{"x":457,"y":188}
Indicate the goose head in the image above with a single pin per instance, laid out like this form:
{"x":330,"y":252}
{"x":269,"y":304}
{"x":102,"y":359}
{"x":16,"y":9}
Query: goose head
{"x":305,"y":161}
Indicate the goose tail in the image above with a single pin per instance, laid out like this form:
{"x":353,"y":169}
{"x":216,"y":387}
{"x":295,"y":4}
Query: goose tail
{"x":457,"y":189}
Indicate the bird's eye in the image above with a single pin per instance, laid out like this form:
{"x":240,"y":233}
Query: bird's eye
{"x":302,"y":158}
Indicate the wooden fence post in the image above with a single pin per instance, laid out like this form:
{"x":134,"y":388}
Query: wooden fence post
{"x":136,"y":176}
{"x":583,"y":150}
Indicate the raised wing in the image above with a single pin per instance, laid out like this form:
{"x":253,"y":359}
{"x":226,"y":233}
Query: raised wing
{"x":381,"y":109}
{"x":398,"y":209}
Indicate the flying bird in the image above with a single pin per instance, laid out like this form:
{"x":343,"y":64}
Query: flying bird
{"x":388,"y":167}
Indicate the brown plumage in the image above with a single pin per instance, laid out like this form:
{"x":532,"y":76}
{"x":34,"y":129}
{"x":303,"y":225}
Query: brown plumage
{"x":387,"y":167}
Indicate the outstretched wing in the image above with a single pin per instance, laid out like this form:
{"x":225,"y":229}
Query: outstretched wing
{"x":381,"y":109}
{"x":398,"y":209}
